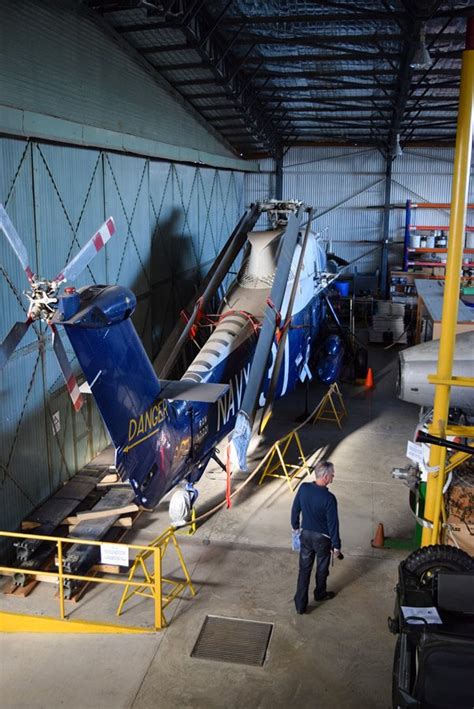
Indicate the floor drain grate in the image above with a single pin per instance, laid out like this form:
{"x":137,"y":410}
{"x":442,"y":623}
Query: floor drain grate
{"x":242,"y":642}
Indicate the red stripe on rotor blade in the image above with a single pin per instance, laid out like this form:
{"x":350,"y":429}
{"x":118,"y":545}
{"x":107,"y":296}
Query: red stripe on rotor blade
{"x":29,"y":273}
{"x":110,"y":226}
{"x":74,"y":392}
{"x":98,"y":241}
{"x":71,"y":383}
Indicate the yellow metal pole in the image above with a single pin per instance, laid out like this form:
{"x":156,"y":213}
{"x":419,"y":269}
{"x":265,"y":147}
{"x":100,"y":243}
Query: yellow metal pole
{"x":462,"y":163}
{"x":157,"y":589}
{"x":60,"y":579}
{"x":439,"y":497}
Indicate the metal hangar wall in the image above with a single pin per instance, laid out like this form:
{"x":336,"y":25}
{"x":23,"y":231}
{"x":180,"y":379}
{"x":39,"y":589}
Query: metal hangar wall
{"x":346,"y":187}
{"x":175,"y":196}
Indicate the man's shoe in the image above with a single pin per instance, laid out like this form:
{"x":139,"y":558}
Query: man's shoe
{"x":300,"y":612}
{"x":325,"y":597}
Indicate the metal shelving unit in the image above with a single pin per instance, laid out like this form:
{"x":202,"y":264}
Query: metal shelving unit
{"x":409,"y":250}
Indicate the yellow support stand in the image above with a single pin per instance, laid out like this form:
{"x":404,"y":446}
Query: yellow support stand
{"x":154,"y":581}
{"x":276,"y":461}
{"x":331,"y":407}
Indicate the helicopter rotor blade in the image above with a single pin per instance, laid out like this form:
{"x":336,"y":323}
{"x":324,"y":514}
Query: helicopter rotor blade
{"x":12,"y":340}
{"x":66,"y":369}
{"x":87,"y":253}
{"x":15,"y":242}
{"x":267,"y":409}
{"x":246,"y":414}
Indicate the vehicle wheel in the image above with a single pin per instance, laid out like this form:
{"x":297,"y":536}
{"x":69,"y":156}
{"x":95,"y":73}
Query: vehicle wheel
{"x":361,"y":360}
{"x":428,"y":561}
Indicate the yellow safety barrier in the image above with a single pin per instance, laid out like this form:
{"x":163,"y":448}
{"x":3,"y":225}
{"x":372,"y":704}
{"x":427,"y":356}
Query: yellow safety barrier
{"x":331,"y":407}
{"x":19,"y":622}
{"x":276,"y":461}
{"x":276,"y":465}
{"x":151,"y":589}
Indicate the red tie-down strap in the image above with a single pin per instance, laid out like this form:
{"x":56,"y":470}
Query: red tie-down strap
{"x":194,"y":328}
{"x":280,"y":330}
{"x":252,"y":320}
{"x":228,"y":474}
{"x":271,"y":305}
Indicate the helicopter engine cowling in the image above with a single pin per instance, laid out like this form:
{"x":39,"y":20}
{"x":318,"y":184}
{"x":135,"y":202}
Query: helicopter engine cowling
{"x":416,"y":363}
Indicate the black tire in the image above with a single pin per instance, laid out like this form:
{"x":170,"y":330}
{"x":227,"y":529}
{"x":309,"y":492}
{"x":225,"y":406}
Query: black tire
{"x":427,"y":561}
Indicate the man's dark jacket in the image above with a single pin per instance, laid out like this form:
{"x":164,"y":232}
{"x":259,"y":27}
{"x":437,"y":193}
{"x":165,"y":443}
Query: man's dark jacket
{"x":319,"y":509}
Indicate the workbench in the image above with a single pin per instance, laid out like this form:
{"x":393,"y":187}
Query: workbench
{"x":430,"y":306}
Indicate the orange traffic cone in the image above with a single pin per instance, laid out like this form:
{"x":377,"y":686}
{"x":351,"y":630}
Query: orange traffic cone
{"x":369,"y":380}
{"x":379,"y":539}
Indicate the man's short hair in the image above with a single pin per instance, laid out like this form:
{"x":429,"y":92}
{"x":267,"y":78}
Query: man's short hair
{"x":324,"y":467}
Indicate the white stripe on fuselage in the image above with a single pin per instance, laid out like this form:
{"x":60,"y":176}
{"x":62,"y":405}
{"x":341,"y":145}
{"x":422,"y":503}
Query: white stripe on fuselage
{"x":286,"y":369}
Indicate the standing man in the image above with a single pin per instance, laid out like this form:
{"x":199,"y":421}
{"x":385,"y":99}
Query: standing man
{"x":319,"y":534}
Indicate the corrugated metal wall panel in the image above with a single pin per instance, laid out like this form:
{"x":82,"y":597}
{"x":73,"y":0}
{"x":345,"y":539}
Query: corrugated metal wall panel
{"x":126,"y":199}
{"x":171,"y":222}
{"x":15,"y":186}
{"x":424,"y":175}
{"x":24,"y":476}
{"x":346,"y":186}
{"x":308,"y":160}
{"x":69,"y":207}
{"x":261,"y":186}
{"x":56,"y":62}
{"x":343,"y":185}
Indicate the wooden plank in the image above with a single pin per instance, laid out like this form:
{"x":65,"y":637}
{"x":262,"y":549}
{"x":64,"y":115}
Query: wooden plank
{"x":20,"y":591}
{"x":28,"y":525}
{"x":109,"y":512}
{"x":122,"y":522}
{"x":109,"y":569}
{"x":109,"y":478}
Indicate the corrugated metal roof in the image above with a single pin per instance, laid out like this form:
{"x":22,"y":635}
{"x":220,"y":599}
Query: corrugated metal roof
{"x":273,"y":61}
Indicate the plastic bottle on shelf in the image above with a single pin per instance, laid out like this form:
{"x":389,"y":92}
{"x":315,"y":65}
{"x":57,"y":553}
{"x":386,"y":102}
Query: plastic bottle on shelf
{"x":430,"y":241}
{"x":442,"y":241}
{"x":415,"y":241}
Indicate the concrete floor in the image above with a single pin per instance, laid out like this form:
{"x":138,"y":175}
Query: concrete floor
{"x":337,"y":655}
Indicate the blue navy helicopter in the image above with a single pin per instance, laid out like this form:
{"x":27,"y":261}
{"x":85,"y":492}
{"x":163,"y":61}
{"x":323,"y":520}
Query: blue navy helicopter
{"x":260,"y":342}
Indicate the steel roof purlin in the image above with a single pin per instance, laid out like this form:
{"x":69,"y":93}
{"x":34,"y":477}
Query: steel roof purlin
{"x":265,"y":75}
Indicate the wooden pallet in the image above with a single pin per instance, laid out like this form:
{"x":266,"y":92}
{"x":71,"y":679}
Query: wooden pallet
{"x":107,"y":515}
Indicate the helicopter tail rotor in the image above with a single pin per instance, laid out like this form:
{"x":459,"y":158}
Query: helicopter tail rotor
{"x":15,"y":242}
{"x":66,"y":369}
{"x":43,"y":297}
{"x":12,"y":340}
{"x":81,"y":260}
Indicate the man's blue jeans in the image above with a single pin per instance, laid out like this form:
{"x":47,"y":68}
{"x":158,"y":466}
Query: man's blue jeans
{"x":313,"y":545}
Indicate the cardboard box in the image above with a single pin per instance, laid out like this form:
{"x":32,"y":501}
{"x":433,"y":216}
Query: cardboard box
{"x":460,"y":511}
{"x":460,"y":534}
